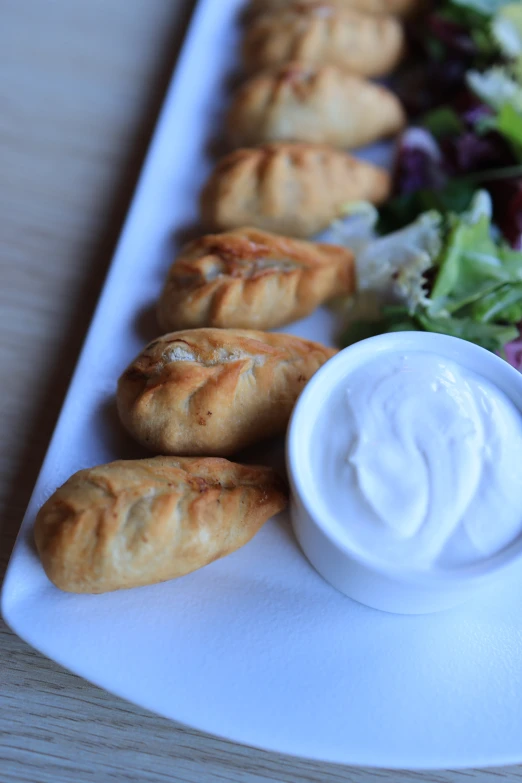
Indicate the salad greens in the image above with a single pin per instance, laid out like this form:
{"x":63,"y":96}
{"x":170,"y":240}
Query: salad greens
{"x":472,"y":129}
{"x":506,"y":28}
{"x":502,"y":92}
{"x":444,"y":273}
{"x":449,"y":258}
{"x":454,"y":196}
{"x":485,"y":7}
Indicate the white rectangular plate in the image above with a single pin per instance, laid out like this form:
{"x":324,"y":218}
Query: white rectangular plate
{"x":255,"y":648}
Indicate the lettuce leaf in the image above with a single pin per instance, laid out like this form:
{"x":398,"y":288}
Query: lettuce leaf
{"x":490,"y":336}
{"x":355,"y":228}
{"x":443,"y":121}
{"x":506,"y":28}
{"x":509,"y":124}
{"x":500,"y":88}
{"x":476,"y":281}
{"x":394,"y":266}
{"x":401,"y":210}
{"x":497,"y":87}
{"x":469,"y":265}
{"x":502,"y":304}
{"x":485,"y":7}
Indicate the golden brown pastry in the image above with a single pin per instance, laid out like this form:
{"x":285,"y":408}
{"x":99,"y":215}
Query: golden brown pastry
{"x":292,"y":189}
{"x":322,"y":104}
{"x":395,"y":7}
{"x":139,"y":522}
{"x":215,"y":391}
{"x":250,"y":279}
{"x":320,"y":33}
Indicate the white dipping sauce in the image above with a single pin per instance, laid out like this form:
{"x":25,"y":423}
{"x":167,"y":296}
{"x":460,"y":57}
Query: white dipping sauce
{"x":420,"y":462}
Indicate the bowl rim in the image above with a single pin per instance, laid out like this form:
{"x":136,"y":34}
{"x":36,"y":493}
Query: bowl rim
{"x":304,"y":416}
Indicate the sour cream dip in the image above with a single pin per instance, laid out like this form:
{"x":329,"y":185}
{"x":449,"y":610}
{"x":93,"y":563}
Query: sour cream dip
{"x":420,"y":461}
{"x":405,"y":460}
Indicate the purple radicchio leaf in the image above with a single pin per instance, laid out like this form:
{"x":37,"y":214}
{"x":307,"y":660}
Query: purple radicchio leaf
{"x":418,"y":163}
{"x":469,"y":152}
{"x":470,"y":108}
{"x":513,"y":353}
{"x":454,"y":36}
{"x":427,"y":84}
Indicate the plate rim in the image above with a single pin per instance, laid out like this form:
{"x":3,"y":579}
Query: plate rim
{"x":10,"y":602}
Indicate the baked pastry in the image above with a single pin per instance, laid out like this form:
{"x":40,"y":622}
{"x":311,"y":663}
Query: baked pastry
{"x":250,"y":279}
{"x":292,"y":189}
{"x":215,"y":391}
{"x":323,"y":104}
{"x":139,"y":522}
{"x":320,"y":33}
{"x":395,"y":7}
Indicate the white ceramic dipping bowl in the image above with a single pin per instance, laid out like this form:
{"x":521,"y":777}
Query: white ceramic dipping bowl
{"x":387,"y":588}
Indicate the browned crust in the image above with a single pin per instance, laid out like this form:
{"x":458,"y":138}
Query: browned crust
{"x":132,"y":523}
{"x":252,"y":279}
{"x":291,"y":189}
{"x":215,"y":391}
{"x":321,"y":33}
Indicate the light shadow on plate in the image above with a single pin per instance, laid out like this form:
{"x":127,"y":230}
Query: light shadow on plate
{"x":28,"y":535}
{"x":146,"y":324}
{"x":116,"y":440}
{"x":183,"y":236}
{"x":245,"y":15}
{"x":269,"y":452}
{"x":218,"y":145}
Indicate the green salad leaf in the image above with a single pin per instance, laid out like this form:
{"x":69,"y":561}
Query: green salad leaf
{"x":502,"y":304}
{"x":442,"y":122}
{"x":501,"y":89}
{"x":506,"y":28}
{"x":490,"y":336}
{"x":470,"y":264}
{"x":394,"y":266}
{"x":476,"y":281}
{"x":399,"y":211}
{"x":484,"y":7}
{"x":509,"y":124}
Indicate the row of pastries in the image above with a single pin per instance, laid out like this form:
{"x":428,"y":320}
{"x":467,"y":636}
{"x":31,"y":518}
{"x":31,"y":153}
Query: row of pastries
{"x":217,"y":381}
{"x":307,"y":100}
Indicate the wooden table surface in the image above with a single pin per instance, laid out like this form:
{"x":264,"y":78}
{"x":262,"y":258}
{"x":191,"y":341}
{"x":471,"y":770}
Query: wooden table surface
{"x":80,"y":87}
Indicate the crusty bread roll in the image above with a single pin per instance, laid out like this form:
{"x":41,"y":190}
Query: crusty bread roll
{"x":215,"y":391}
{"x":320,"y":104}
{"x":321,"y":33}
{"x":249,"y":279}
{"x":394,"y":7}
{"x":291,"y":189}
{"x":139,"y":522}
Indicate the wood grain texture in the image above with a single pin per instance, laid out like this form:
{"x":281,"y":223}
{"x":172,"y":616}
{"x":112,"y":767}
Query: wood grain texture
{"x":80,"y":89}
